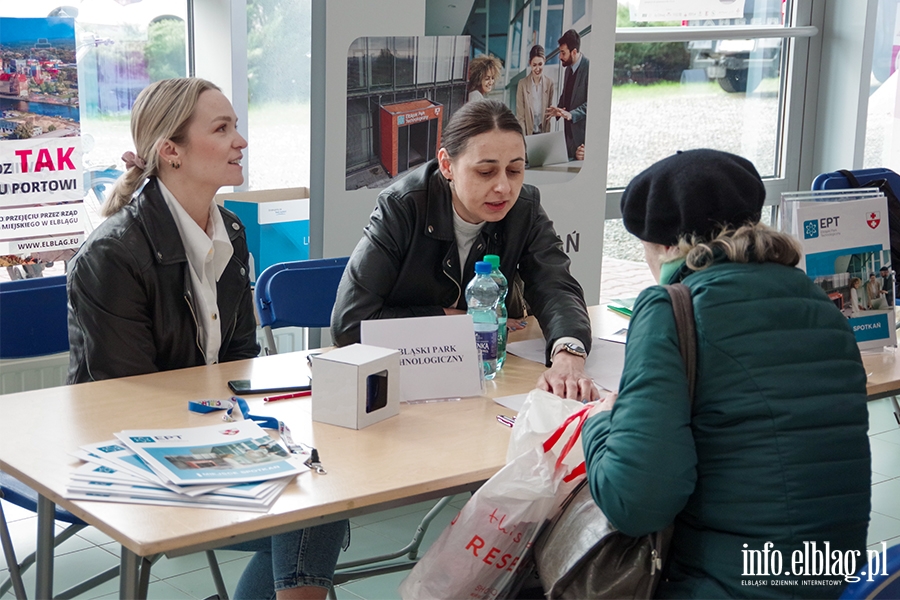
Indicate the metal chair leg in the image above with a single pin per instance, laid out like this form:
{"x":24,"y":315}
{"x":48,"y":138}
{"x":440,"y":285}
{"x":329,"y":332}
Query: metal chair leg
{"x":358,"y":569}
{"x":216,"y":575}
{"x":15,"y":575}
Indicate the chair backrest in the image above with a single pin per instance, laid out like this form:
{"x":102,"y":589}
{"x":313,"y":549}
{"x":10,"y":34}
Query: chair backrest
{"x":300,"y":293}
{"x":838,"y":181}
{"x":877,"y":585}
{"x":33,"y":317}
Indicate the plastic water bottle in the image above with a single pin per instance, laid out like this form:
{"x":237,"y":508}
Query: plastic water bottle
{"x":482,"y":295}
{"x":502,"y":314}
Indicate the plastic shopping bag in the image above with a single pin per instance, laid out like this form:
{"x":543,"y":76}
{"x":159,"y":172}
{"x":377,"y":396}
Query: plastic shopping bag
{"x":477,"y":555}
{"x":539,"y":417}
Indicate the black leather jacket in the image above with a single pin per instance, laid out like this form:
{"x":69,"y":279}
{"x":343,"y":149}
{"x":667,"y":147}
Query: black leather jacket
{"x":407,"y":262}
{"x":131,"y":307}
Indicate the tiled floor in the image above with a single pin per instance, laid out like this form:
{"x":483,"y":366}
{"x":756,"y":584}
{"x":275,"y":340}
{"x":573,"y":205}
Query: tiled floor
{"x":188,"y":576}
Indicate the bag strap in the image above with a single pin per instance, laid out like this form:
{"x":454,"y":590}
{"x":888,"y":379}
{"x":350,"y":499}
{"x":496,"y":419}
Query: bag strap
{"x":851,"y":178}
{"x":683,"y":308}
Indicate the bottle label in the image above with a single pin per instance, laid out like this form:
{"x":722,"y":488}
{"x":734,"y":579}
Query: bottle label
{"x":486,"y":341}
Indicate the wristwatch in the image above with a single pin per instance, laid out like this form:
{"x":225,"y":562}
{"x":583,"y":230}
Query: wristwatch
{"x":573,"y":349}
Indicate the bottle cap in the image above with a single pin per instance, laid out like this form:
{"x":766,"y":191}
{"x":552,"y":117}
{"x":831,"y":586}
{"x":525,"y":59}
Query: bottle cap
{"x":483,"y":268}
{"x":493,"y":259}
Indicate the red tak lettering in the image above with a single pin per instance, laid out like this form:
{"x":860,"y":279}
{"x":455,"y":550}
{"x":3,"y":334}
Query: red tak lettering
{"x":45,"y":161}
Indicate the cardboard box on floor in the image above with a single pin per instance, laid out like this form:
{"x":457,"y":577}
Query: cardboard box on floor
{"x":277,"y":223}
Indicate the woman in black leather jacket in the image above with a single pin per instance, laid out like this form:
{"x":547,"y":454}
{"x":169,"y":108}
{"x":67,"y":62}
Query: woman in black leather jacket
{"x":427,"y":230}
{"x":164,"y":284}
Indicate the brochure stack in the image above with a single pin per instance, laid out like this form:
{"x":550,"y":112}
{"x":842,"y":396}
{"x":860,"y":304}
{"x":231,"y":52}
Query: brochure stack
{"x":231,"y":465}
{"x":847,"y":252}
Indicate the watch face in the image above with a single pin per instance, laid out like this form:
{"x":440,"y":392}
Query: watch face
{"x":575,"y":349}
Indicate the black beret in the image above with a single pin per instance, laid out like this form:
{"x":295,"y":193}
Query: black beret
{"x":694,"y":192}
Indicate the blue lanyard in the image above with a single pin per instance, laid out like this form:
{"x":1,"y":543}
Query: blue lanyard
{"x":229,"y":406}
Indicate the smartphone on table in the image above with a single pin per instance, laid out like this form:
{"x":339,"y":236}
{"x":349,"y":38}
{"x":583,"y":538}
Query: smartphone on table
{"x":254,"y":386}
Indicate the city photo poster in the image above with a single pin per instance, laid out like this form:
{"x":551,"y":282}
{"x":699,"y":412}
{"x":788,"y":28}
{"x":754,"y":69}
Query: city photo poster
{"x":41,"y":188}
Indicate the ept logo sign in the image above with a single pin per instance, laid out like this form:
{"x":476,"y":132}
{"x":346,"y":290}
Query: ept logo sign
{"x":811,"y":229}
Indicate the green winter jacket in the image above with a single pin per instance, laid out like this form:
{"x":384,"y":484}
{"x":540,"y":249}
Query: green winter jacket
{"x":776,"y":450}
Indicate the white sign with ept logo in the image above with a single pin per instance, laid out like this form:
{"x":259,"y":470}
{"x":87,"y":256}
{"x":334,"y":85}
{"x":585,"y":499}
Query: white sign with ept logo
{"x":438,"y":357}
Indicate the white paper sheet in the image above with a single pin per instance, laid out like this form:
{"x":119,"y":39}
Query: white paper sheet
{"x":604,"y":364}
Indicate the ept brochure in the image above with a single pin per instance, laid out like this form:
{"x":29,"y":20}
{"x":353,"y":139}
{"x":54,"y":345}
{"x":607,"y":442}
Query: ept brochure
{"x":846,"y":243}
{"x":223,"y":453}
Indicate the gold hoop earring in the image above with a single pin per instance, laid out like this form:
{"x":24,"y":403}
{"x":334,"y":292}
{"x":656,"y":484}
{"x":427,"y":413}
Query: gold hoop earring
{"x":174,"y":165}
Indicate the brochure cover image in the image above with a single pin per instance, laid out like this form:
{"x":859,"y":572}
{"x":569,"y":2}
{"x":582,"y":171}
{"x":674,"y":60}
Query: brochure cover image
{"x":847,"y":253}
{"x":224,"y":453}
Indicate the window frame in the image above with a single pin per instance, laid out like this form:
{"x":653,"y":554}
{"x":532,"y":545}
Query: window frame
{"x":796,"y":62}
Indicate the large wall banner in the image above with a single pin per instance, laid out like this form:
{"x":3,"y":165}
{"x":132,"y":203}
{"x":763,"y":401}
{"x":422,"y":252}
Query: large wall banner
{"x":389,"y":80}
{"x":41,"y":190}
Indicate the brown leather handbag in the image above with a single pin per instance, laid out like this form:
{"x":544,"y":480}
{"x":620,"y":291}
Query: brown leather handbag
{"x":579,"y":554}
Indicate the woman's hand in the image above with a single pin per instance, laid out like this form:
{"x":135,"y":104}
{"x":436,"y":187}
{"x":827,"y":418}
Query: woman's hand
{"x":516,"y":325}
{"x":567,"y":379}
{"x":454,"y":311}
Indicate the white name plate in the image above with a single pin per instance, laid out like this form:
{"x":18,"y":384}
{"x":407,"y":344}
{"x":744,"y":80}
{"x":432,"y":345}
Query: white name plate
{"x":438,"y":357}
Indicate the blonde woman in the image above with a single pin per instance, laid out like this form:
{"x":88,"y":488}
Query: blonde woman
{"x":164,"y":284}
{"x":534,"y":95}
{"x":483,"y":73}
{"x":770,"y":455}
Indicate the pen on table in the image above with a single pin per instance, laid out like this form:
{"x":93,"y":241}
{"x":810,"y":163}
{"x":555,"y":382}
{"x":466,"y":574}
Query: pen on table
{"x":508,"y":421}
{"x":286,"y":396}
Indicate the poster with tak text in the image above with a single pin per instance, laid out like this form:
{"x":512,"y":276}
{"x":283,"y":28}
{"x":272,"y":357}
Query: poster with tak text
{"x":41,"y":190}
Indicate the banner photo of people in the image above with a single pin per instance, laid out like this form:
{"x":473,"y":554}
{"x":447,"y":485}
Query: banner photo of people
{"x":402,"y":91}
{"x":41,"y":188}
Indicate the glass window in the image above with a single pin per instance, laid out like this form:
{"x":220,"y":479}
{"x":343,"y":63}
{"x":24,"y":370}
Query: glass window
{"x":445,"y":58}
{"x":882,"y":135}
{"x":579,"y":9}
{"x":404,"y":61}
{"x":722,"y":94}
{"x":278,"y":104}
{"x":359,"y":133}
{"x":460,"y":60}
{"x":425,"y":68}
{"x":554,"y":28}
{"x":381,"y":62}
{"x":477,"y":26}
{"x":516,"y":41}
{"x":356,"y":65}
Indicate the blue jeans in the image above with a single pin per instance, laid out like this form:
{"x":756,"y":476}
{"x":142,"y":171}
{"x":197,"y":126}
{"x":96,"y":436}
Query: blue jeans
{"x":306,"y":557}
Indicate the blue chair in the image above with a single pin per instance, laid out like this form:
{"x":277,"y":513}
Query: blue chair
{"x":880,"y":586}
{"x":33,"y":320}
{"x":838,"y":180}
{"x":297,"y":294}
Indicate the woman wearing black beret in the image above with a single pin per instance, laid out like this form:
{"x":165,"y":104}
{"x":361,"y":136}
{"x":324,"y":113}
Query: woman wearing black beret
{"x":772,"y":454}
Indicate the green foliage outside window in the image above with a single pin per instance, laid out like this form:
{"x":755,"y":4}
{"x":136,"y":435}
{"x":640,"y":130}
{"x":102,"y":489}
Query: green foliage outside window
{"x":165,"y":50}
{"x":278,"y":52}
{"x":649,"y":62}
